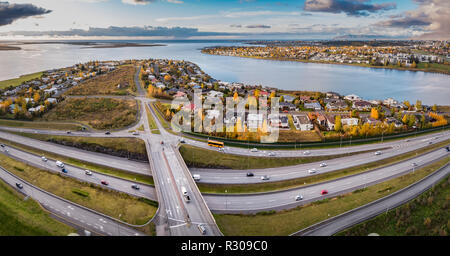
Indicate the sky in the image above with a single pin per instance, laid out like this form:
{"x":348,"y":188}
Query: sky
{"x":221,"y":19}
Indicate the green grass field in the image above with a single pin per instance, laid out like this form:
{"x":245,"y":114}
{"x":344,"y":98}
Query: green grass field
{"x":19,"y":217}
{"x":112,"y":203}
{"x":18,"y":81}
{"x":286,"y":222}
{"x":99,"y":113}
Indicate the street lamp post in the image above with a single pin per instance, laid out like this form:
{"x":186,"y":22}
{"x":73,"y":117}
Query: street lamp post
{"x":226,"y":200}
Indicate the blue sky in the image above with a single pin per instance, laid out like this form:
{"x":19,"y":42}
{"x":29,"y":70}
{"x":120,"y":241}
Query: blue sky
{"x":240,"y":19}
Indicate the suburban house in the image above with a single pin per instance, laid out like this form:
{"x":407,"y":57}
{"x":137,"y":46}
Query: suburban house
{"x":303,"y":123}
{"x":352,"y":97}
{"x":373,"y":121}
{"x":362,"y":105}
{"x":330,"y":122}
{"x":396,"y":122}
{"x":288,"y":98}
{"x":313,"y":105}
{"x":321,"y":119}
{"x":349,"y":121}
{"x":287,"y":106}
{"x":333,"y":95}
{"x":284,"y":121}
{"x":336,"y":105}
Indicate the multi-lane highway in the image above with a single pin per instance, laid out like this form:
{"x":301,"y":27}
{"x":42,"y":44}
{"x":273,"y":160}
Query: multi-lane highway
{"x":71,"y":212}
{"x":338,"y":223}
{"x":286,"y":199}
{"x":172,"y":178}
{"x":115,"y":183}
{"x":229,"y":176}
{"x":91,"y":157}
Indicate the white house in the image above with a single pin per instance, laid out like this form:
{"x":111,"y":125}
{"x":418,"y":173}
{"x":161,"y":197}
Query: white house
{"x":352,"y":97}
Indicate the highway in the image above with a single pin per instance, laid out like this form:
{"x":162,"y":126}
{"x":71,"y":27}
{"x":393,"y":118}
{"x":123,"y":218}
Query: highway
{"x":79,"y":174}
{"x":230,"y":176}
{"x":71,"y":212}
{"x":251,"y":203}
{"x":171,"y":174}
{"x":345,"y":220}
{"x":87,"y":156}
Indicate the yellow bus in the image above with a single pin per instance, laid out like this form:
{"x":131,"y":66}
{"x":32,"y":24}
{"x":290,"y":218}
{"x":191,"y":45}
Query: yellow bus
{"x":214,"y":143}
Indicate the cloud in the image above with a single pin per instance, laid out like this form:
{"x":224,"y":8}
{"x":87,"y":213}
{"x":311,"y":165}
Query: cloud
{"x":432,"y":18}
{"x":350,"y":7}
{"x":146,"y":31}
{"x":12,"y":12}
{"x":138,"y":2}
{"x":258,"y":26}
{"x":144,"y":2}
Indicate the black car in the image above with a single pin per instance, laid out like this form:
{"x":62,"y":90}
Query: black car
{"x":448,"y":148}
{"x":108,"y":133}
{"x":250,"y":174}
{"x":2,"y":145}
{"x":19,"y":185}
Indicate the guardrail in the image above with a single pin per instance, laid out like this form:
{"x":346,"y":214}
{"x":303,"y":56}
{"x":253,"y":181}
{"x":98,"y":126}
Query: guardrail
{"x":327,"y":221}
{"x":193,"y":186}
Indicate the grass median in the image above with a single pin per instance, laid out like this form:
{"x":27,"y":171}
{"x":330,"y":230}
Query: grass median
{"x":205,"y":158}
{"x":131,"y":209}
{"x":122,"y":147}
{"x":41,"y":125}
{"x":314,"y":179}
{"x":427,"y":215}
{"x":146,"y":179}
{"x":20,"y":80}
{"x":21,"y":217}
{"x":151,"y":122}
{"x":286,"y":222}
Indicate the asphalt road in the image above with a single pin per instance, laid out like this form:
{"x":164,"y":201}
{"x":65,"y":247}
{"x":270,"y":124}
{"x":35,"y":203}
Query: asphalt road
{"x":71,"y":212}
{"x":286,"y":199}
{"x":80,"y":174}
{"x":343,"y":221}
{"x":230,"y":176}
{"x":182,"y":217}
{"x":87,"y":156}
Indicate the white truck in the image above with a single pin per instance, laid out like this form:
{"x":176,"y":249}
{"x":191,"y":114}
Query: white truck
{"x":185,"y":194}
{"x":196,"y":177}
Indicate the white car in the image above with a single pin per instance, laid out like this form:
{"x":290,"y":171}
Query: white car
{"x":271,"y":154}
{"x":44,"y":159}
{"x":306,"y":153}
{"x":298,"y":198}
{"x":254,"y":150}
{"x":311,"y":171}
{"x":87,"y":172}
{"x":323,"y":165}
{"x":196,"y":177}
{"x":378,"y":153}
{"x":135,"y":133}
{"x":264,"y":177}
{"x":60,"y":164}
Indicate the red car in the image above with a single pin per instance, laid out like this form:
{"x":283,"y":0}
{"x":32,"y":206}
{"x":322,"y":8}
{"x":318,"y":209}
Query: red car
{"x":104,"y":182}
{"x":324,"y":192}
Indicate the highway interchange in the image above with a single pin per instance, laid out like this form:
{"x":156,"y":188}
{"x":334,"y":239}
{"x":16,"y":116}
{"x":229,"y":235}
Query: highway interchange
{"x":178,"y":217}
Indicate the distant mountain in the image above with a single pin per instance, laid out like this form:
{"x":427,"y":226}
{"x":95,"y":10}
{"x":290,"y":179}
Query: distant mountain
{"x":364,"y":37}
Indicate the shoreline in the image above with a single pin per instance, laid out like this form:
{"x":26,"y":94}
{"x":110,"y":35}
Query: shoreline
{"x":335,"y":63}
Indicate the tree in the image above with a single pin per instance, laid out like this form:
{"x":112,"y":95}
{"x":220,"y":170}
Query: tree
{"x":281,"y":98}
{"x":407,"y":104}
{"x":272,"y":94}
{"x":235,"y":96}
{"x":167,"y":78}
{"x":405,"y":119}
{"x":257,"y":93}
{"x":36,"y":97}
{"x":414,"y":65}
{"x":418,"y":105}
{"x":374,"y":113}
{"x":434,"y":108}
{"x":338,"y":124}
